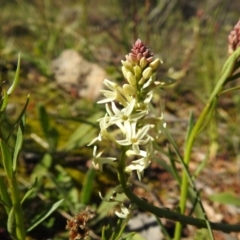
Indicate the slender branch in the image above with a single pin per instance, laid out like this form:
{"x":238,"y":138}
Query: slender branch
{"x":175,"y":216}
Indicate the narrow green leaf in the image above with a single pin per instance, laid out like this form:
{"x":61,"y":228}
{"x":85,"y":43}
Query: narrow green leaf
{"x":119,"y":229}
{"x":44,"y":120}
{"x":52,"y":138}
{"x":165,"y":81}
{"x":173,"y":166}
{"x":190,"y":126}
{"x":176,"y":149}
{"x":104,"y":232}
{"x":226,"y":198}
{"x":129,"y":236}
{"x":20,"y":116}
{"x":5,"y":198}
{"x":11,"y":223}
{"x":19,"y":141}
{"x":87,"y":186}
{"x":4,"y":100}
{"x":16,"y":78}
{"x":29,"y":192}
{"x":163,"y":228}
{"x":201,"y":166}
{"x":6,"y":159}
{"x":137,"y":236}
{"x":53,"y":208}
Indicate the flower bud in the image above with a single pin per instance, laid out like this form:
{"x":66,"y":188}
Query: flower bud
{"x":143,"y":62}
{"x":127,"y":64}
{"x":129,"y":89}
{"x":139,"y":56}
{"x":137,"y":71}
{"x":125,"y":71}
{"x":147,"y":73}
{"x":131,"y":78}
{"x":234,"y":39}
{"x":154,"y":64}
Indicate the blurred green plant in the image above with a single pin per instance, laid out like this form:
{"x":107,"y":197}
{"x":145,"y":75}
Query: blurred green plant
{"x":10,"y":195}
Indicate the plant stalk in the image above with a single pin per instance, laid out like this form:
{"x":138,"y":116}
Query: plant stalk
{"x":228,"y":69}
{"x":18,"y":213}
{"x":165,"y":213}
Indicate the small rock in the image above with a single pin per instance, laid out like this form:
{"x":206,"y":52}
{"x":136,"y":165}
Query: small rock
{"x":76,"y":75}
{"x":146,"y":225}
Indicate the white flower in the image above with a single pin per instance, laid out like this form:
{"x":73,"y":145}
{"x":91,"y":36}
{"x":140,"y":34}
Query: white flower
{"x":122,"y":116}
{"x":135,"y":137}
{"x":104,"y":124}
{"x":140,"y":164}
{"x":99,"y":161}
{"x":124,"y":212}
{"x":116,"y":93}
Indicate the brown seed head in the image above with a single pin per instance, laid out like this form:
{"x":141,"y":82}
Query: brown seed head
{"x":234,"y":39}
{"x":138,"y":51}
{"x":78,"y":225}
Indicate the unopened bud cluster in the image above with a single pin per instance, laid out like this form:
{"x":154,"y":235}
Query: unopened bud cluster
{"x":127,"y":109}
{"x":234,"y":38}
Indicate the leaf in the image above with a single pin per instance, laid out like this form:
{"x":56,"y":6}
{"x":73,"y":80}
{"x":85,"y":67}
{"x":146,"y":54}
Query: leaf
{"x":118,"y":229}
{"x":190,"y":126}
{"x":50,"y":133}
{"x":165,"y":81}
{"x":20,"y":116}
{"x":226,"y":198}
{"x":53,"y":136}
{"x":133,"y":236}
{"x":19,"y":141}
{"x":44,"y":120}
{"x":6,"y":159}
{"x":4,"y":101}
{"x":104,"y":229}
{"x":87,"y":186}
{"x":11,"y":223}
{"x":5,"y":198}
{"x":16,"y":78}
{"x":130,"y":236}
{"x":51,"y":210}
{"x":29,"y":192}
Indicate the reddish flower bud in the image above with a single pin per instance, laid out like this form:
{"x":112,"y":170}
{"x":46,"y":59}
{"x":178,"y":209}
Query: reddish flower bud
{"x":138,"y":51}
{"x":234,"y":39}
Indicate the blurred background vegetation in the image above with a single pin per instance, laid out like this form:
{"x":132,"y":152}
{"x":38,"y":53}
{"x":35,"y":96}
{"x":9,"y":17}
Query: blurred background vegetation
{"x":189,"y":36}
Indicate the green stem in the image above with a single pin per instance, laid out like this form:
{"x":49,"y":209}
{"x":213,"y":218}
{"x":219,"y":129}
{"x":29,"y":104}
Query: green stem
{"x":227,"y":72}
{"x":20,"y":230}
{"x":165,"y":213}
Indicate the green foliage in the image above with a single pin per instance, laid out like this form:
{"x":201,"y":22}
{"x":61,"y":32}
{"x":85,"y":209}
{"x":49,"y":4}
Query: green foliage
{"x":10,"y":195}
{"x":226,"y":198}
{"x":49,"y":212}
